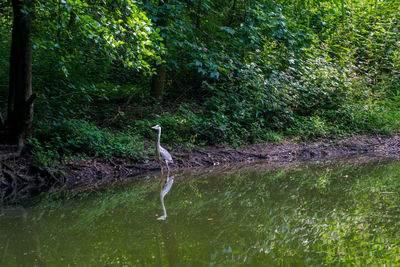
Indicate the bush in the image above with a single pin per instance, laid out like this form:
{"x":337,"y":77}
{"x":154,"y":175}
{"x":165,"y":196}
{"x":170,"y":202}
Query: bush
{"x":76,"y":136}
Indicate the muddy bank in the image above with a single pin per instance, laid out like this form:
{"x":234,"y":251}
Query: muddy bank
{"x":21,"y":178}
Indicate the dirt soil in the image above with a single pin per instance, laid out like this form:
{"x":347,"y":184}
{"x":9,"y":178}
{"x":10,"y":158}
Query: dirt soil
{"x":21,"y":178}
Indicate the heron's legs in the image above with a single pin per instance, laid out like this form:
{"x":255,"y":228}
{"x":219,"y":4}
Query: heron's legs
{"x":162,"y":172}
{"x":166,"y":162}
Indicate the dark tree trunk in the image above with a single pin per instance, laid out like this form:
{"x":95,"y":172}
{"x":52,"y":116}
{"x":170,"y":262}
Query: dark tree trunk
{"x":20,"y":98}
{"x":158,"y":82}
{"x":158,"y":79}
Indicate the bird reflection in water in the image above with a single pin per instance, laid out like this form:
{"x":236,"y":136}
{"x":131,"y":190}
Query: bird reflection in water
{"x":168,"y":246}
{"x":166,"y":185}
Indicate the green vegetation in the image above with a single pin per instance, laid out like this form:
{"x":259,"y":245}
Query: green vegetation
{"x":79,"y":136}
{"x":236,"y":72}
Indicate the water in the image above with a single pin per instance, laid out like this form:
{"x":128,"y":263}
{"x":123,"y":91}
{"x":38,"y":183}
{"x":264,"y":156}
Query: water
{"x":332,"y":213}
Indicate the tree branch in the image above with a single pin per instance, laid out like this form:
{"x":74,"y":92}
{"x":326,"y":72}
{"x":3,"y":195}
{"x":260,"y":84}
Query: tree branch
{"x":31,"y":99}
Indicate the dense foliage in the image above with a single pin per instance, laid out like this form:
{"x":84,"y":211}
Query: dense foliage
{"x":237,"y":71}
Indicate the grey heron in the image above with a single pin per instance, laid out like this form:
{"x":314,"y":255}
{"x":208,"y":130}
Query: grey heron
{"x":162,"y":153}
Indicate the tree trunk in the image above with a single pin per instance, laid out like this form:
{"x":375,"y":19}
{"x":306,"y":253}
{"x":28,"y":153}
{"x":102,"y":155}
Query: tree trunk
{"x":158,"y":82}
{"x":20,"y":98}
{"x":158,"y":79}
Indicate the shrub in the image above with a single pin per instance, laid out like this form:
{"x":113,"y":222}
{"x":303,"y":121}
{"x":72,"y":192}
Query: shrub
{"x":76,"y":136}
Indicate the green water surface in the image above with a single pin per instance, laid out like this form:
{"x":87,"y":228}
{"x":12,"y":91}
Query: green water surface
{"x":341,"y":212}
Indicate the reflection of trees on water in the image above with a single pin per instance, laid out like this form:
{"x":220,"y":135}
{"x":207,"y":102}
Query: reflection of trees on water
{"x":22,"y":247}
{"x":168,"y":246}
{"x":301,"y":216}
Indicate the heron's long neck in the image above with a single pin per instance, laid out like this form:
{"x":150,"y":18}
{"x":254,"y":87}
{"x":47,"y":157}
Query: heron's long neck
{"x":159,"y":136}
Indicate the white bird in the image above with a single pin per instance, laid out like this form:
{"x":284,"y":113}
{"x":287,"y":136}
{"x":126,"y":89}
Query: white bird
{"x":162,"y":153}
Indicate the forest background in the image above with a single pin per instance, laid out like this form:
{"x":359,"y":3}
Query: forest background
{"x":209,"y":72}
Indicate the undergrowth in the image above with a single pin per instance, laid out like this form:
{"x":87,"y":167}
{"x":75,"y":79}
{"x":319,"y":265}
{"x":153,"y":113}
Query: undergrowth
{"x":59,"y":139}
{"x":279,"y":71}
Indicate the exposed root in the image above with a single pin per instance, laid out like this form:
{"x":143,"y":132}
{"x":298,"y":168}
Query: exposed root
{"x":19,"y":182}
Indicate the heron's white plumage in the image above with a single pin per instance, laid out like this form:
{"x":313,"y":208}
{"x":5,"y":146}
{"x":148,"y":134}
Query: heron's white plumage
{"x":165,"y":155}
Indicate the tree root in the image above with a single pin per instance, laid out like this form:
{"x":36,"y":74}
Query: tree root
{"x":17,"y":186}
{"x":13,"y":155}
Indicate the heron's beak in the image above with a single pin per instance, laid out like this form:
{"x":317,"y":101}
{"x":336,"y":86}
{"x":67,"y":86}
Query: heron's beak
{"x":154,"y":127}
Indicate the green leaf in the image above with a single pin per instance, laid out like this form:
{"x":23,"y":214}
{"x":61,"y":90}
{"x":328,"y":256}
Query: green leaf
{"x":228,"y":30}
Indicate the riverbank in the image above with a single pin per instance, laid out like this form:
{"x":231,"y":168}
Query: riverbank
{"x":21,"y":178}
